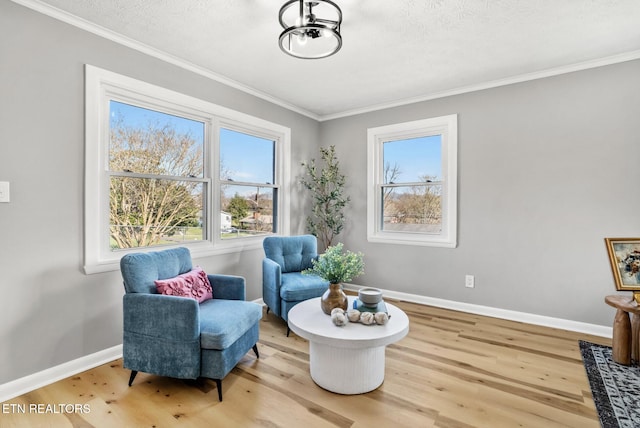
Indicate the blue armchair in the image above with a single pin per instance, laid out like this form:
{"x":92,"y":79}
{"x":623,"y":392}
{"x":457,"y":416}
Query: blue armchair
{"x":179,"y":337}
{"x":283,"y":284}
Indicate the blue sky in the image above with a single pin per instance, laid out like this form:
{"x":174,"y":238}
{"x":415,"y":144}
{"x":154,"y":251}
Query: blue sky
{"x":415,"y":157}
{"x":140,"y":117}
{"x":250,"y":159}
{"x":245,"y":157}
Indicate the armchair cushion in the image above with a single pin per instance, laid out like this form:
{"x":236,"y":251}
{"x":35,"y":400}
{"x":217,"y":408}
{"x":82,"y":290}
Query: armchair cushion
{"x":297,"y":286}
{"x":193,"y":284}
{"x":223,"y":322}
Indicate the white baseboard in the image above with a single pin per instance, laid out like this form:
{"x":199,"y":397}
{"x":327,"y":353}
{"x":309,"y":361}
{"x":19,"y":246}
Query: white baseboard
{"x":46,"y":377}
{"x":38,"y":380}
{"x":29,"y":383}
{"x":580,"y":327}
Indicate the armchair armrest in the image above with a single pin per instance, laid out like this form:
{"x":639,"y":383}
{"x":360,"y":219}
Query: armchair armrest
{"x":228,"y":287}
{"x":271,"y":282}
{"x":271,"y":274}
{"x":160,"y":316}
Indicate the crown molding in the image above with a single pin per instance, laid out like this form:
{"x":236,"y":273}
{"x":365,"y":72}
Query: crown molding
{"x":98,"y":30}
{"x":600,"y":62}
{"x":83,"y":24}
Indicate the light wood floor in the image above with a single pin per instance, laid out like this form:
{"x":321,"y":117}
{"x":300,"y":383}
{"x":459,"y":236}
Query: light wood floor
{"x":452,"y":370}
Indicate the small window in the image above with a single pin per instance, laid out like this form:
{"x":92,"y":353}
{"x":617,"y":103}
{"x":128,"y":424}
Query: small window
{"x":247,"y":183}
{"x":412,"y":182}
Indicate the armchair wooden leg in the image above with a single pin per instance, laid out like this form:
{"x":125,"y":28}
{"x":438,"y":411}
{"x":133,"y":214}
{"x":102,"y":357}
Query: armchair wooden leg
{"x":267,"y":309}
{"x":255,"y":349}
{"x":133,"y":375}
{"x":288,"y":331}
{"x":219,"y":386}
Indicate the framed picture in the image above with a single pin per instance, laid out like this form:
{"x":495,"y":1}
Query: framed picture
{"x":624,"y":256}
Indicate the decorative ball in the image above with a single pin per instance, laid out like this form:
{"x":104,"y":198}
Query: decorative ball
{"x":338,"y":318}
{"x":353,"y":315}
{"x":337,"y":311}
{"x":366,"y":318}
{"x":381,"y":318}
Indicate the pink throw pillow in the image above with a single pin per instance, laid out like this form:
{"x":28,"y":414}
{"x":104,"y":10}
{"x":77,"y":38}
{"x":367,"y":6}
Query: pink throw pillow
{"x":193,"y":284}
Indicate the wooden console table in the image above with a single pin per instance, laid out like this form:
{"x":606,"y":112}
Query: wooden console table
{"x":626,"y":332}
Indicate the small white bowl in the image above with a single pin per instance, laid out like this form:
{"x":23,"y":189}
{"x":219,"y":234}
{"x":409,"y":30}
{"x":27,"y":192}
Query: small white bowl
{"x":370,"y":296}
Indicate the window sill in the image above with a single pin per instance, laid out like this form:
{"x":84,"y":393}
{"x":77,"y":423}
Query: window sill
{"x":198,"y":250}
{"x":413,"y":240}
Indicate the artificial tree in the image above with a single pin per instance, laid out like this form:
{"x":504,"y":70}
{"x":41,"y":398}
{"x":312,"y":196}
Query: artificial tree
{"x":326,"y":184}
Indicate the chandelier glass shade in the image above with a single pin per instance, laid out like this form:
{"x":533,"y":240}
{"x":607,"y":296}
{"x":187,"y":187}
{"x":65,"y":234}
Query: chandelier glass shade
{"x":311,"y":28}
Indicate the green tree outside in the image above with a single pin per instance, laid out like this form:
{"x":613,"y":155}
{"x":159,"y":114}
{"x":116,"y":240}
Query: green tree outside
{"x":238,"y":207}
{"x":144,"y":209}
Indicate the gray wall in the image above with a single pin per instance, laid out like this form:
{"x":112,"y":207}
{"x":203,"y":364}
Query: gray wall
{"x":51,"y":312}
{"x":546,"y":170}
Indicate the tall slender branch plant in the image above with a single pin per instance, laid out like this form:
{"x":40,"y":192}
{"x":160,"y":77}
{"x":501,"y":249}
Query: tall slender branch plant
{"x":326,"y":184}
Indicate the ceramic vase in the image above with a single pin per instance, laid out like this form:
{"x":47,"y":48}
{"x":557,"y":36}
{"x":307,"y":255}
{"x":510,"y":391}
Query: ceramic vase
{"x":334,"y":297}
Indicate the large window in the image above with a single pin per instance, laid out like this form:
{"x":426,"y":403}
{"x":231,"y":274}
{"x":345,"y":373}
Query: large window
{"x":412,"y":182}
{"x":163,"y":168}
{"x":157,"y":184}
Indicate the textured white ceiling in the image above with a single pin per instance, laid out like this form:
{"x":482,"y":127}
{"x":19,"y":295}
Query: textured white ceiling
{"x":393,"y":50}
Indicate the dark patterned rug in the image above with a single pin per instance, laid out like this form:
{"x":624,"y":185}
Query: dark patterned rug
{"x":615,"y":388}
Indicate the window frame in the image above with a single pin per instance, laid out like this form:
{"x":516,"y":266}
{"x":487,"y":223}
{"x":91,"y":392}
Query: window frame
{"x":278,"y":177}
{"x":447,"y":128}
{"x":205,"y":180}
{"x":101,"y":86}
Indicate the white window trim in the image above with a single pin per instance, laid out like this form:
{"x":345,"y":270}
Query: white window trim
{"x":100,"y":86}
{"x":447,"y":126}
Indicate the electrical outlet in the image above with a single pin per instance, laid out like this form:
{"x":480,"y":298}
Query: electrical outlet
{"x":469,"y":281}
{"x":4,"y":191}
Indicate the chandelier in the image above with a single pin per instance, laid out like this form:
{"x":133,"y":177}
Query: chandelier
{"x":311,"y":28}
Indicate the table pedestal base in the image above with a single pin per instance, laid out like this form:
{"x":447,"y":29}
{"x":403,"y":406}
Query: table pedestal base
{"x":621,"y":341}
{"x":346,"y":370}
{"x":626,"y":331}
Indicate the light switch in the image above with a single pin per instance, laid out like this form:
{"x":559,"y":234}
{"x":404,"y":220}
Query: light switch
{"x":4,"y":191}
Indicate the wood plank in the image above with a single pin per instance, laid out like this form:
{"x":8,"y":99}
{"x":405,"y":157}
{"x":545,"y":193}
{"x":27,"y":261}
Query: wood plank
{"x":452,"y":370}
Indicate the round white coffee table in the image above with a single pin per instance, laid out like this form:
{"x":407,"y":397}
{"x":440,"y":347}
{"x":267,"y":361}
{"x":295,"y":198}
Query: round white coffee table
{"x":348,"y":359}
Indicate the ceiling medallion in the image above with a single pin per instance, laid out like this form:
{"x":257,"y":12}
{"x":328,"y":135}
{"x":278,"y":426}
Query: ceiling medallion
{"x":311,"y":28}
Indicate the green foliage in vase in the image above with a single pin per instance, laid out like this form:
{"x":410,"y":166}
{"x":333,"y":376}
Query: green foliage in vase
{"x":326,"y":185}
{"x":337,"y":266}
